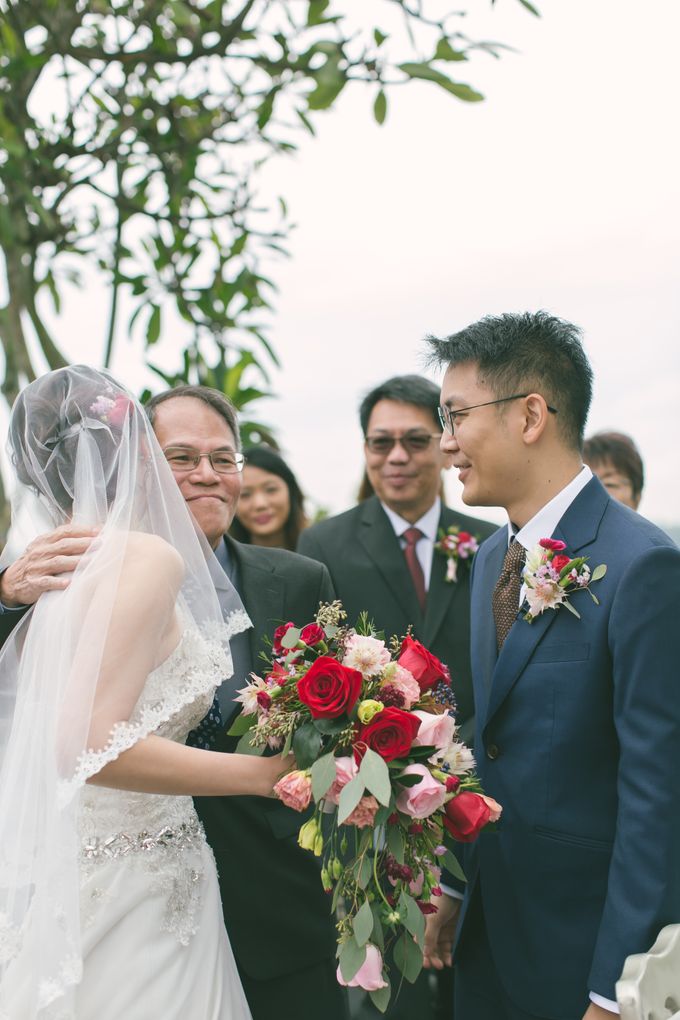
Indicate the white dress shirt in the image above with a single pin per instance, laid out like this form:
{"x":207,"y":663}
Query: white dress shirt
{"x":428,"y":524}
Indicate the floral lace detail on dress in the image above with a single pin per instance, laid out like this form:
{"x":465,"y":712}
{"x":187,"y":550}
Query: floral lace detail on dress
{"x":186,"y":680}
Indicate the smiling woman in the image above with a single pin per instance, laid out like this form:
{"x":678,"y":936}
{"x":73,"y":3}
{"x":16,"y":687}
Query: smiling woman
{"x":270,"y":510}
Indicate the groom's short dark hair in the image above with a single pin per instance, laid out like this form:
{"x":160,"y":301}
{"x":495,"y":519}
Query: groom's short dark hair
{"x":525,"y":352}
{"x":404,"y":389}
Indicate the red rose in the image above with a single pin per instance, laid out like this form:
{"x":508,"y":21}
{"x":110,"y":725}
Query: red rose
{"x":277,"y":647}
{"x":328,"y":688}
{"x":424,"y":666}
{"x":390,"y":733}
{"x":312,"y":634}
{"x":559,"y":561}
{"x":465,"y":816}
{"x":552,"y":543}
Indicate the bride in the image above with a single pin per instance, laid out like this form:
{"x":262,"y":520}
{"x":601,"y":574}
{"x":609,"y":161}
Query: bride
{"x":109,"y":904}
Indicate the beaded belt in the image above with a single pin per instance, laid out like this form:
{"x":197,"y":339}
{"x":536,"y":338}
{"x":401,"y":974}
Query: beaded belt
{"x":186,"y":835}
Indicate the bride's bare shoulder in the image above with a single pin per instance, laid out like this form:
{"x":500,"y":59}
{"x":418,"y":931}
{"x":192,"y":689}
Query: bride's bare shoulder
{"x":152,"y":556}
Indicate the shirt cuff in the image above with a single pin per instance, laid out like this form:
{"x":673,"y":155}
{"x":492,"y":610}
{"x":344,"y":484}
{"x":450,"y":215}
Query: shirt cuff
{"x":452,"y":893}
{"x":600,"y":1000}
{"x":10,"y":609}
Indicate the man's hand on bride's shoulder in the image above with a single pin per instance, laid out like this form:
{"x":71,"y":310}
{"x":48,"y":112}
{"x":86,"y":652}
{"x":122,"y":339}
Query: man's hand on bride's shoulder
{"x":46,"y":565}
{"x":440,"y":932}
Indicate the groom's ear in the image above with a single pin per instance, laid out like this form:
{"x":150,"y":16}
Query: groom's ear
{"x":536,"y":416}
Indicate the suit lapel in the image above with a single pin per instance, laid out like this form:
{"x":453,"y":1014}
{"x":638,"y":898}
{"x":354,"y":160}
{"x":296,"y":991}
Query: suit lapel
{"x":381,"y":546}
{"x":442,"y":595}
{"x":483,"y":630}
{"x":577,"y":528}
{"x":262,"y":591}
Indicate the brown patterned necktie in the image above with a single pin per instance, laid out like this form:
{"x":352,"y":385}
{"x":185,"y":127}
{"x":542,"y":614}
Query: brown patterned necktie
{"x":411,"y":536}
{"x":505,"y":597}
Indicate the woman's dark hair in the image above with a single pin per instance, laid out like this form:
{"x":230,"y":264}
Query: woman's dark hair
{"x":619,"y":450}
{"x":264,"y":458}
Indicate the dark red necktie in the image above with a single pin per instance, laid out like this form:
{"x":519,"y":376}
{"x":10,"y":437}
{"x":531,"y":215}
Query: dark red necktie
{"x":411,"y":536}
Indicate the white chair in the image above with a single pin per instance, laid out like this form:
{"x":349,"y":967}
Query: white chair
{"x":649,"y":988}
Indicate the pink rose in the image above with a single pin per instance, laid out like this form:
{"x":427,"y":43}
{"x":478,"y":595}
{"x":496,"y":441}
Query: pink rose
{"x":363,"y":813}
{"x":295,"y":790}
{"x":425,"y":797}
{"x":552,"y":543}
{"x":122,"y":406}
{"x":435,"y":730}
{"x":345,"y":769}
{"x":493,"y":806}
{"x":406,"y":684}
{"x":369,"y":976}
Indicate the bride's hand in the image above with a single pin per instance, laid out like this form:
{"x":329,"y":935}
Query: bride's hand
{"x":278,"y":766}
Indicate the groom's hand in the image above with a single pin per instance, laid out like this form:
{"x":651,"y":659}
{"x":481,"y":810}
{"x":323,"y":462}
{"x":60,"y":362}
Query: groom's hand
{"x":440,"y":931}
{"x":45,"y":565}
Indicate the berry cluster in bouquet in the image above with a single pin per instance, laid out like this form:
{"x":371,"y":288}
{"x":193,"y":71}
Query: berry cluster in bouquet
{"x":391,"y":789}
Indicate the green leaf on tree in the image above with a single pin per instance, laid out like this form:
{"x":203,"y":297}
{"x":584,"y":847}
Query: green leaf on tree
{"x":427,"y":73}
{"x":445,"y":51}
{"x":380,"y":107}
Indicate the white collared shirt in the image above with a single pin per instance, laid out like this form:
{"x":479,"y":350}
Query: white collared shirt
{"x":428,"y":524}
{"x":543,"y":523}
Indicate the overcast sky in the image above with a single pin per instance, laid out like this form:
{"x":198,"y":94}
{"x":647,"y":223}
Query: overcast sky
{"x":558,"y":192}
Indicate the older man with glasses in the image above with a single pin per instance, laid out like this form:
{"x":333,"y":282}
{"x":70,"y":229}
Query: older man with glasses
{"x":277,"y":915}
{"x":383,"y":557}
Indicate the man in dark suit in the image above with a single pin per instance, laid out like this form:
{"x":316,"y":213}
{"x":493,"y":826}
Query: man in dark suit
{"x":577,"y":716}
{"x":365,"y":552}
{"x":373,"y":569}
{"x":277,"y":915}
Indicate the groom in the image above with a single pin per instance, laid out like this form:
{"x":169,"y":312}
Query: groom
{"x":578,"y":717}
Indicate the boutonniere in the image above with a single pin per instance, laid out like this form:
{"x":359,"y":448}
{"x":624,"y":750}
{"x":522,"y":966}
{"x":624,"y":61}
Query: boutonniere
{"x":551,"y":576}
{"x":456,"y":545}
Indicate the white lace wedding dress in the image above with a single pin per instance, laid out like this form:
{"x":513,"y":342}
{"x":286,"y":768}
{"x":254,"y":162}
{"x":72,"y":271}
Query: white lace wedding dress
{"x":153,"y":937}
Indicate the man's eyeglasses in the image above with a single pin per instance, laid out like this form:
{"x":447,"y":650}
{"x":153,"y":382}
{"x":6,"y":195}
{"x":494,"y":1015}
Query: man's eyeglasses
{"x":447,"y":416}
{"x":412,"y":442}
{"x":185,"y":458}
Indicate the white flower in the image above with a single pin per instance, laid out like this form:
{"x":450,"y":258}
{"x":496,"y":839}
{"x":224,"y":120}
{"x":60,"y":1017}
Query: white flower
{"x":458,"y":757}
{"x":367,"y":654}
{"x":248,"y":695}
{"x":544,"y":594}
{"x":534,"y":559}
{"x":451,"y":569}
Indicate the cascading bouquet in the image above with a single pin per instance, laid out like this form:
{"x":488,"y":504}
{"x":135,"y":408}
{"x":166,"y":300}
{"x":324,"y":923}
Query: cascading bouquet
{"x":372,"y":727}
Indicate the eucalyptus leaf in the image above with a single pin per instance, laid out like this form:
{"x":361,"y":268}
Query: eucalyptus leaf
{"x":381,"y":996}
{"x":245,"y":747}
{"x":377,"y":936}
{"x":414,"y":921}
{"x":599,"y":572}
{"x":376,"y":776}
{"x":395,"y":842}
{"x":571,"y":609}
{"x":323,"y":774}
{"x":242,"y":724}
{"x":350,"y":795}
{"x":363,"y":923}
{"x":351,"y":958}
{"x":291,"y":637}
{"x":408,"y":957}
{"x":452,"y":865}
{"x":364,"y":871}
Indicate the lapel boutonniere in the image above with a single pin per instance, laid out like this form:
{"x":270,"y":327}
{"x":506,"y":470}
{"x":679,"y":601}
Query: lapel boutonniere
{"x":456,"y":545}
{"x":551,"y":577}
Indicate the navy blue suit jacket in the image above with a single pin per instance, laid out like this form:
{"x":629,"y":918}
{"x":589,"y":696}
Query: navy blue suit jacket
{"x":578,"y":737}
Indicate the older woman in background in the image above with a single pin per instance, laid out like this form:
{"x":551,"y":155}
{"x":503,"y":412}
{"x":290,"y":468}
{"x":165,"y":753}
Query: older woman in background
{"x":614,"y":458}
{"x":270,"y":510}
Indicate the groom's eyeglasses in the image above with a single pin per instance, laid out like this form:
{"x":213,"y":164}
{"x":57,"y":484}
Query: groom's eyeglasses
{"x":412,"y":442}
{"x":447,"y":416}
{"x":185,"y":458}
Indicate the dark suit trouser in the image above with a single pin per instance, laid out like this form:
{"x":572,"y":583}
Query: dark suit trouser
{"x":306,"y":994}
{"x":479,"y":994}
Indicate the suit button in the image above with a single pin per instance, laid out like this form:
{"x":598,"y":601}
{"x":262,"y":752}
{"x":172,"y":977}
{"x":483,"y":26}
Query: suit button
{"x":492,"y":751}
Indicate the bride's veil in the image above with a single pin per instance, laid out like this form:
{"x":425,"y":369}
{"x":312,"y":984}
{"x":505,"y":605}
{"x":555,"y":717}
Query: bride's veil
{"x":83,"y":452}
